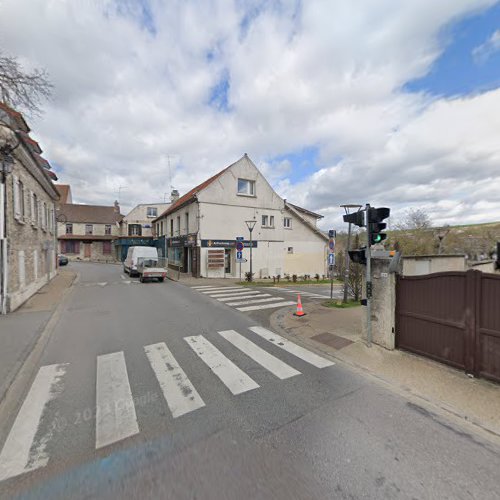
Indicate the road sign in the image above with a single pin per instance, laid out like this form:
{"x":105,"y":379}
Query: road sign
{"x":240,"y":238}
{"x":331,"y":245}
{"x":241,"y":261}
{"x":239,"y":255}
{"x":239,"y":246}
{"x":331,"y":259}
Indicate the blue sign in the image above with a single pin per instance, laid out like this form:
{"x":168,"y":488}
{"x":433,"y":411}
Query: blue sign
{"x":331,"y":245}
{"x":239,"y":255}
{"x":331,"y":259}
{"x":239,"y":246}
{"x":240,"y":238}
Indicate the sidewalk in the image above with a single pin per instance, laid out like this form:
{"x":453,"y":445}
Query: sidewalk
{"x":338,"y":333}
{"x":20,"y":330}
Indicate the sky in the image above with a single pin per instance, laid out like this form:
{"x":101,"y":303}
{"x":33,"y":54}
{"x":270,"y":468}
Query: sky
{"x":347,"y":101}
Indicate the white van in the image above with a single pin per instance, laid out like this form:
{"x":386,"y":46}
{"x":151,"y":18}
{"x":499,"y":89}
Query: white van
{"x":135,"y":253}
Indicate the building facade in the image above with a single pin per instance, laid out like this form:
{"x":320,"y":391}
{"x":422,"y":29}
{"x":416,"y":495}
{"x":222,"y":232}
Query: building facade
{"x":87,"y":232}
{"x":136,"y":228}
{"x":199,"y":231}
{"x":27,"y":214}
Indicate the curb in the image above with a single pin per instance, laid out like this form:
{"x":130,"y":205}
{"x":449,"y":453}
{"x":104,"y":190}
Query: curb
{"x":438,"y":407}
{"x":23,"y":372}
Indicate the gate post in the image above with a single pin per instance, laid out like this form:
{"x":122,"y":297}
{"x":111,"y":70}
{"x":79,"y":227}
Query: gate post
{"x":472,"y":292}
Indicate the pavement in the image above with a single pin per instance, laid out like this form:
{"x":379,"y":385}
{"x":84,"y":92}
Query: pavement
{"x":338,"y":333}
{"x":160,"y":391}
{"x":20,"y":330}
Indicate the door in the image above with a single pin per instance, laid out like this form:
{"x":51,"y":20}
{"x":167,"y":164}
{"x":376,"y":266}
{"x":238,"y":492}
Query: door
{"x":227,"y":261}
{"x":87,"y":250}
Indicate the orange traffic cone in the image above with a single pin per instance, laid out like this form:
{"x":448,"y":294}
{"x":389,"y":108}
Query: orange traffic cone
{"x":300,"y":312}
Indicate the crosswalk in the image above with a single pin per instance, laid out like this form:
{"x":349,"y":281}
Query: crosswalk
{"x":26,"y":446}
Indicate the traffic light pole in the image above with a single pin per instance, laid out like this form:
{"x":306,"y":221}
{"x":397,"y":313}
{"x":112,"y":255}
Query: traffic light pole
{"x":368,"y":280}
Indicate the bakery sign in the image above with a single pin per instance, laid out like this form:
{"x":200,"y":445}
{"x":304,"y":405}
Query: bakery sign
{"x":226,"y":243}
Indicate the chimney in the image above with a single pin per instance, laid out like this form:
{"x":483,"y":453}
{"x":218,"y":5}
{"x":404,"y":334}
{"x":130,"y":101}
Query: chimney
{"x":174,"y":196}
{"x":117,"y":207}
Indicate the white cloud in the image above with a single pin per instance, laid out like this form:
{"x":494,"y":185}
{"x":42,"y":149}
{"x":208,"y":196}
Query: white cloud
{"x":322,"y":73}
{"x":483,"y":52}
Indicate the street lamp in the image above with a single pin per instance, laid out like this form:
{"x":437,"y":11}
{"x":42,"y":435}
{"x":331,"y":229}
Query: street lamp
{"x":250,"y":224}
{"x":346,"y":258}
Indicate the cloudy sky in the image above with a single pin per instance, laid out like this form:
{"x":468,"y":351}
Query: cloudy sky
{"x":391,"y":102}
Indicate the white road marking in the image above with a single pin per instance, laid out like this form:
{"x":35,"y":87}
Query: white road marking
{"x":225,"y":299}
{"x":104,"y":283}
{"x":20,"y":453}
{"x":123,"y":277}
{"x":266,"y":306}
{"x":296,"y":350}
{"x":201,"y":287}
{"x":263,"y":358}
{"x":115,"y":415}
{"x":230,"y":375}
{"x":252,"y":301}
{"x":179,"y":392}
{"x":224,"y":289}
{"x":233,"y":294}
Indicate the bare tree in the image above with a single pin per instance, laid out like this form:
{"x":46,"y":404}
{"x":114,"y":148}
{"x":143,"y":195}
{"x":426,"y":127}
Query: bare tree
{"x":415,"y":219}
{"x":21,"y":89}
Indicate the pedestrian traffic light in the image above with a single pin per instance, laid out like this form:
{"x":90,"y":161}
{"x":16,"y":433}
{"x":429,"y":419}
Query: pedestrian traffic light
{"x":358,"y":256}
{"x":356,"y":218}
{"x":375,"y":217}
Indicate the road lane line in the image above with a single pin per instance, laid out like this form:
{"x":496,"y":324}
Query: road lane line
{"x":252,"y":301}
{"x":179,"y":392}
{"x":20,"y":452}
{"x":115,"y":415}
{"x":233,"y":294}
{"x":263,"y":358}
{"x":224,"y":289}
{"x":225,"y":299}
{"x":236,"y":380}
{"x":266,"y":306}
{"x":296,"y":350}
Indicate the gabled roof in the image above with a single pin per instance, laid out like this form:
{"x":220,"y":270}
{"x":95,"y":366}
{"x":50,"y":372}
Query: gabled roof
{"x":64,"y":191}
{"x":296,"y":210}
{"x":305,"y":211}
{"x":191,"y":195}
{"x":89,"y":214}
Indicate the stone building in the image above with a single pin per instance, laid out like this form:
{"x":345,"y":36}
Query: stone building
{"x":198,"y":232}
{"x":87,"y":232}
{"x":27,"y":213}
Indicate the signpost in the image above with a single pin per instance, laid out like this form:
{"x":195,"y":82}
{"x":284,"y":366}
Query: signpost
{"x":239,"y":251}
{"x":331,"y":257}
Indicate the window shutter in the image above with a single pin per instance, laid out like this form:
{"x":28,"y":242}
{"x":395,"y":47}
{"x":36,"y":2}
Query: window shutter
{"x":15,"y":188}
{"x":32,"y":207}
{"x":77,"y":247}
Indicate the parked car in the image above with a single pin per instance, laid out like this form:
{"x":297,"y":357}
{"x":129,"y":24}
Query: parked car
{"x":63,"y":260}
{"x":148,"y":270}
{"x":136,"y":253}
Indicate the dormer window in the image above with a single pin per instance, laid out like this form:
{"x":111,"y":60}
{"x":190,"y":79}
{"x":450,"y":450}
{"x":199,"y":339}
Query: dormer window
{"x":246,"y":187}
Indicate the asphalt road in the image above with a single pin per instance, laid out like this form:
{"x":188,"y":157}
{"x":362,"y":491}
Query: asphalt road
{"x":123,"y":406}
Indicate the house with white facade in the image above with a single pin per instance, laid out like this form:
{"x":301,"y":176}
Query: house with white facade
{"x":199,"y":231}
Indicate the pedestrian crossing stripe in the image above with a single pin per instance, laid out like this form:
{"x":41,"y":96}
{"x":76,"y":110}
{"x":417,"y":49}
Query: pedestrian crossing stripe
{"x":239,"y":297}
{"x":25,"y":448}
{"x":238,"y":294}
{"x":265,"y":306}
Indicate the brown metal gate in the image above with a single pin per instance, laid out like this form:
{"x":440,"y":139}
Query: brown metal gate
{"x":451,"y":317}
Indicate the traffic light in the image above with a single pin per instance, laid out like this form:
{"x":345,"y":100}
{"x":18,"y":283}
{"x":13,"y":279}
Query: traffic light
{"x":358,"y":256}
{"x":375,"y":217}
{"x":356,"y":218}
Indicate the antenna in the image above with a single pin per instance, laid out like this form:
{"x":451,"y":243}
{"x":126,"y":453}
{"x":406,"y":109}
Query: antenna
{"x":120,"y":192}
{"x":169,"y":173}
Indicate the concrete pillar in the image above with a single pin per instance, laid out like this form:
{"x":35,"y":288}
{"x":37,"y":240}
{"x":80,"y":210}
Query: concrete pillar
{"x":383,"y":304}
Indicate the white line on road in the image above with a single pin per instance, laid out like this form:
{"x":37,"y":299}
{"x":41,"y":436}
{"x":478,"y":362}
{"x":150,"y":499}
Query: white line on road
{"x":225,"y":299}
{"x":226,"y":288}
{"x":201,"y":287}
{"x":263,"y":358}
{"x":233,"y":294}
{"x":252,"y":301}
{"x":115,"y":413}
{"x":296,"y":350}
{"x":20,"y":454}
{"x":179,"y":392}
{"x":266,"y":306}
{"x":123,"y":277}
{"x":230,"y":375}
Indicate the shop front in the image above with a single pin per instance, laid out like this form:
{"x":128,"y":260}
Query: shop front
{"x":182,"y":252}
{"x":228,"y":267}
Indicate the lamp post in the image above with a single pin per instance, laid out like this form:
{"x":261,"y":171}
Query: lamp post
{"x":251,"y":224}
{"x":346,"y":256}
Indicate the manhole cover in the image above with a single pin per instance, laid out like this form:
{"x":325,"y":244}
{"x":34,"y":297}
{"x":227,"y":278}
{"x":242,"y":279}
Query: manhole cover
{"x":332,"y":340}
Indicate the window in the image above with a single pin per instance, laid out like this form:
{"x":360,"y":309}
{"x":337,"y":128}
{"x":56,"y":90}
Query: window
{"x":134,"y":230}
{"x":246,"y":187}
{"x":152,"y":212}
{"x":70,"y":247}
{"x":89,"y":229}
{"x":34,"y":215}
{"x":178,"y":224}
{"x":69,"y":228}
{"x":21,"y":200}
{"x":290,"y":249}
{"x":187,"y":223}
{"x":287,"y":223}
{"x":171,"y":227}
{"x":33,"y":207}
{"x":268,"y":221}
{"x":107,"y":229}
{"x":106,"y":247}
